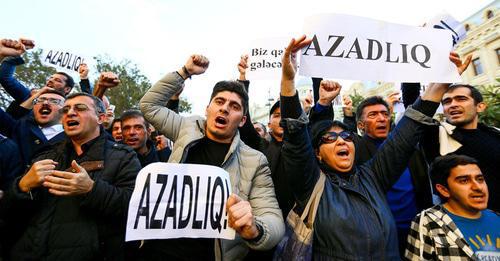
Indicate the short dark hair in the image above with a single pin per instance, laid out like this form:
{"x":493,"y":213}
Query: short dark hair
{"x":319,"y":129}
{"x":232,"y":86}
{"x":98,"y":105}
{"x":275,"y":106}
{"x":69,"y":80}
{"x":372,"y":100}
{"x":442,"y":165}
{"x":129,"y":114}
{"x":262,"y":125}
{"x":474,"y":92}
{"x":115,"y":120}
{"x":54,"y":91}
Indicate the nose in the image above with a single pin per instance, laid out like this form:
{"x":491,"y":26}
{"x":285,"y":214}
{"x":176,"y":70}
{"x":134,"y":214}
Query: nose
{"x":224,"y":107}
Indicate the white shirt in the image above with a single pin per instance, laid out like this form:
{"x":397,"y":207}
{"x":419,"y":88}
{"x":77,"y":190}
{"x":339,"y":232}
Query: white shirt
{"x":52,"y":131}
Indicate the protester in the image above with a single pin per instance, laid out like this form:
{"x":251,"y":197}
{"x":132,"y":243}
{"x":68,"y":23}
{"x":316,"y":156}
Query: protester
{"x":461,"y":228}
{"x":77,"y":191}
{"x":253,"y":210}
{"x":353,"y":220}
{"x":60,"y":81}
{"x":412,"y":191}
{"x":34,"y":131}
{"x":10,"y":168}
{"x":116,"y":129}
{"x":261,"y":129}
{"x":136,"y":134}
{"x":462,"y":133}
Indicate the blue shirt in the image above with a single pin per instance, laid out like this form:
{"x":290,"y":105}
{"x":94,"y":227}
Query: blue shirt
{"x":482,"y":234}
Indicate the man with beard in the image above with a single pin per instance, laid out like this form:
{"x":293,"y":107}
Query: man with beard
{"x":462,"y":133}
{"x":136,"y":134}
{"x":23,"y":100}
{"x":76,"y":193}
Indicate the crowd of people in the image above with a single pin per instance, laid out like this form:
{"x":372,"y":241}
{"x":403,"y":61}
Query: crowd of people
{"x":412,"y":188}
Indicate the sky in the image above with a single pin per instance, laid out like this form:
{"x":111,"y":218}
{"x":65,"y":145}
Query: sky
{"x":159,"y":35}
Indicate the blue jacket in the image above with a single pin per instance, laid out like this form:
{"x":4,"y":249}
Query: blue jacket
{"x":27,"y":134}
{"x":353,"y":221}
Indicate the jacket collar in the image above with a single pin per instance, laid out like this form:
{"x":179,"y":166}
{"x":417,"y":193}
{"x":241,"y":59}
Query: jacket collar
{"x":443,"y":220}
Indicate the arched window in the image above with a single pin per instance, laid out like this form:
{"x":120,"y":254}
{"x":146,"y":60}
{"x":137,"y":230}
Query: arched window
{"x":489,"y":14}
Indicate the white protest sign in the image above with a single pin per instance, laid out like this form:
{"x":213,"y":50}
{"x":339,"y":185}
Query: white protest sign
{"x":173,"y":200}
{"x":351,"y":47}
{"x":450,"y":24}
{"x":264,"y":58}
{"x":62,"y":60}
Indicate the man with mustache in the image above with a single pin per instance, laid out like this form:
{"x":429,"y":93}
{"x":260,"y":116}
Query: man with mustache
{"x":462,"y":228}
{"x":36,"y":130}
{"x":76,"y":192}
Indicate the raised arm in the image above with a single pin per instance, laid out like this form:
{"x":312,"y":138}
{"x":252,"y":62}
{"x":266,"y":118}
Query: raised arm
{"x":153,"y":102}
{"x":106,"y":81}
{"x":297,"y":151}
{"x":11,"y":51}
{"x":322,"y":109}
{"x":85,"y":86}
{"x":248,"y":134}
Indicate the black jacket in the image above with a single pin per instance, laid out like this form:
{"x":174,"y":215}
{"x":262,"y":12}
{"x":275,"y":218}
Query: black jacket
{"x":353,"y":221}
{"x":154,"y":155}
{"x":86,"y":227}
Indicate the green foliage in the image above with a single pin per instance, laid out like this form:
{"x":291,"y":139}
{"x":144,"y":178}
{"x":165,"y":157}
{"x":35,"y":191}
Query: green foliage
{"x":184,"y":106}
{"x":356,"y":100}
{"x":491,"y":96}
{"x":133,"y":84}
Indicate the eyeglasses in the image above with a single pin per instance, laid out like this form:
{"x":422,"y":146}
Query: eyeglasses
{"x":79,"y":107}
{"x":42,"y":100}
{"x":331,"y":137}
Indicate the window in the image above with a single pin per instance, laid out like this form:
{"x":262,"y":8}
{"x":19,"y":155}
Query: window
{"x":489,"y":14}
{"x":478,"y":67}
{"x":498,"y":54}
{"x":467,"y":27}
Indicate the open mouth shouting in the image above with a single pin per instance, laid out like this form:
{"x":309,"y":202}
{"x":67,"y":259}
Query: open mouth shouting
{"x":45,"y":110}
{"x":478,"y":198}
{"x":221,"y":122}
{"x":132,"y":141}
{"x":343,"y":153}
{"x":72,"y":124}
{"x":455,"y":113}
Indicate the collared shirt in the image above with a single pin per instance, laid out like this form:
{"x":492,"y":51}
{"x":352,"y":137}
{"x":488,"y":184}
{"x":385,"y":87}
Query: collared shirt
{"x":52,"y":131}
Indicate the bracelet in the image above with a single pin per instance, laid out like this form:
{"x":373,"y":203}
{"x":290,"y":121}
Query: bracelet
{"x":184,"y":69}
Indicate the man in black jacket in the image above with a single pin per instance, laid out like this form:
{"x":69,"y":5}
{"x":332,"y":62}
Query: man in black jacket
{"x":136,"y":133}
{"x":76,"y":193}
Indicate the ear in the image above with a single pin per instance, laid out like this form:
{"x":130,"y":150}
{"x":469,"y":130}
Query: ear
{"x":206,"y":111}
{"x":443,"y":191}
{"x":148,"y":130}
{"x":480,"y":107}
{"x":66,"y":90}
{"x":360,"y":125}
{"x":242,"y":122}
{"x":100,"y":118}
